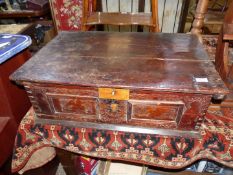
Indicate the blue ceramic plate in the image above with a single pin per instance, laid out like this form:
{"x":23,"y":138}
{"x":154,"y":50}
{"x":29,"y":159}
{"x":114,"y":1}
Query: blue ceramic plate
{"x":11,"y":44}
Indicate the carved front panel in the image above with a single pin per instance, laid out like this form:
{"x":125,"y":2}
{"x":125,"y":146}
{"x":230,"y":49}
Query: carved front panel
{"x":113,"y":111}
{"x":76,"y":105}
{"x":156,"y":113}
{"x":195,"y":105}
{"x":137,"y":108}
{"x":64,"y":103}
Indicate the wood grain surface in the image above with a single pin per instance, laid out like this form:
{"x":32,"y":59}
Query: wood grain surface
{"x":161,"y":62}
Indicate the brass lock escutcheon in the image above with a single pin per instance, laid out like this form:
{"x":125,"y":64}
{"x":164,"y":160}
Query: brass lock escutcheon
{"x":112,"y":93}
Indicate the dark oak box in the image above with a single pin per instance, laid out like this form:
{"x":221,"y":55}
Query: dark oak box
{"x":122,"y":79}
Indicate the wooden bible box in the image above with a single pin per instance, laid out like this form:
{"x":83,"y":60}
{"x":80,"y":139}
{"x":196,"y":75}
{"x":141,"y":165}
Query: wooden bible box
{"x":139,"y":82}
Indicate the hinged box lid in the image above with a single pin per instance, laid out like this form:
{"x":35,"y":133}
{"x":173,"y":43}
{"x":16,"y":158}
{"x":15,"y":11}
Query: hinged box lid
{"x":149,"y":61}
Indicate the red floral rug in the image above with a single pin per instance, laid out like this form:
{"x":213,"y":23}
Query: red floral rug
{"x":216,"y":143}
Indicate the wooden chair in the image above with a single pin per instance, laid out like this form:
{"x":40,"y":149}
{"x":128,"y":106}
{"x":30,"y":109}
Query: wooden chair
{"x":92,"y":17}
{"x":224,"y":65}
{"x":222,"y":60}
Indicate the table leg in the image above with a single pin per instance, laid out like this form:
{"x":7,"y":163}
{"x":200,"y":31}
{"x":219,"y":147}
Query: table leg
{"x":67,"y":161}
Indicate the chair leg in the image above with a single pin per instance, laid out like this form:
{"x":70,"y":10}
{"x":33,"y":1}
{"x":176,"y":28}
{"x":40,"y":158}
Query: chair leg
{"x":84,"y":28}
{"x":154,"y":29}
{"x":94,"y":5}
{"x":85,"y":14}
{"x":154,"y":11}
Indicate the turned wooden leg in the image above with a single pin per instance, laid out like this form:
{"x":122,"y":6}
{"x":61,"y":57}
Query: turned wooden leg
{"x":198,"y":22}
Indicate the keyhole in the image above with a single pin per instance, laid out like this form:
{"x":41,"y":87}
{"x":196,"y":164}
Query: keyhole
{"x":114,"y":107}
{"x":113,"y":92}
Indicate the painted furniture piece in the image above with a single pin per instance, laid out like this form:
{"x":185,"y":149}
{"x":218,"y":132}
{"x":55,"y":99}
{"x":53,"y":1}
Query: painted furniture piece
{"x":93,"y":17}
{"x":14,"y":102}
{"x":132,"y":81}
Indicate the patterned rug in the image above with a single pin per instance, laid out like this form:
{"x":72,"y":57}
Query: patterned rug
{"x":216,"y":143}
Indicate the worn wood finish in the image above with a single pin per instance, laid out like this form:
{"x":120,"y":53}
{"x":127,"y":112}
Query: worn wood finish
{"x":91,"y":17}
{"x":143,"y":108}
{"x":132,"y":79}
{"x":123,"y":59}
{"x":222,"y":60}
